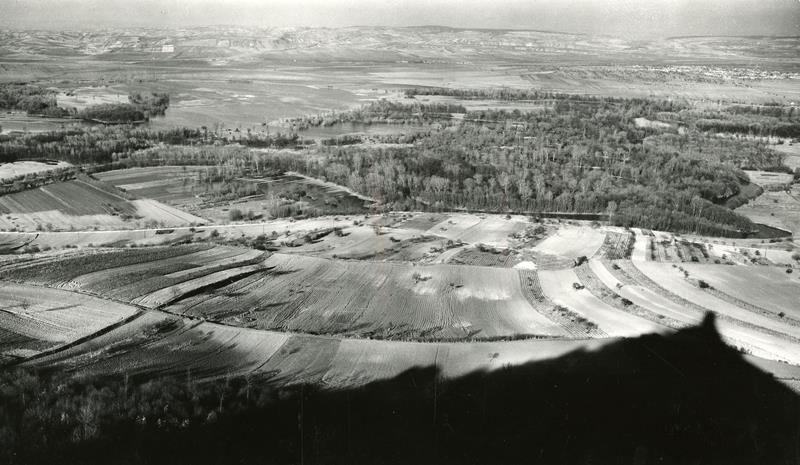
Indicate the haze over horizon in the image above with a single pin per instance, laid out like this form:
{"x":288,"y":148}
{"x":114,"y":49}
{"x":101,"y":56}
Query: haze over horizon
{"x":645,"y":19}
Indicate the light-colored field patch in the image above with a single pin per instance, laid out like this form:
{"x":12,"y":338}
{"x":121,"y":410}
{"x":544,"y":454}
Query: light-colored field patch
{"x":573,"y":242}
{"x":492,"y":230}
{"x":153,"y":210}
{"x":646,"y":123}
{"x":21,"y":168}
{"x":766,"y":178}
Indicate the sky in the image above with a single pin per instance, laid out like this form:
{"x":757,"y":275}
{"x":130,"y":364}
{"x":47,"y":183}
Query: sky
{"x":626,"y":18}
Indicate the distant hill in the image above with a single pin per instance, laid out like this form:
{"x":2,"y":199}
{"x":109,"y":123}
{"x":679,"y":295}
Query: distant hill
{"x":380,"y":44}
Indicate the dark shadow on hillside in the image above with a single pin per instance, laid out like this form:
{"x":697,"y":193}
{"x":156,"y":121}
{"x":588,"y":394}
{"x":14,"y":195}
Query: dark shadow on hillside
{"x":682,"y":398}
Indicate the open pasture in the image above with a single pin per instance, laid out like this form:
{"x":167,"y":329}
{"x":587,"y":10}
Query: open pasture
{"x":379,"y":300}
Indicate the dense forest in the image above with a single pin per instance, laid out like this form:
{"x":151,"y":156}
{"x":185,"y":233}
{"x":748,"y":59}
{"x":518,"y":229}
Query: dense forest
{"x":576,"y":157}
{"x":578,"y":154}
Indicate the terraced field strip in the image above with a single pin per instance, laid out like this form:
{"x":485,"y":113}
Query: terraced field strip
{"x":95,"y":264}
{"x":590,"y":276}
{"x":677,"y":315}
{"x":171,"y":294}
{"x":761,"y":289}
{"x":372,"y":299}
{"x":55,"y":316}
{"x":158,"y":343}
{"x":562,"y":316}
{"x":645,"y":292}
{"x":672,"y":279}
{"x":212,"y":260}
{"x":161,"y":344}
{"x":645,"y":297}
{"x":558,"y":286}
